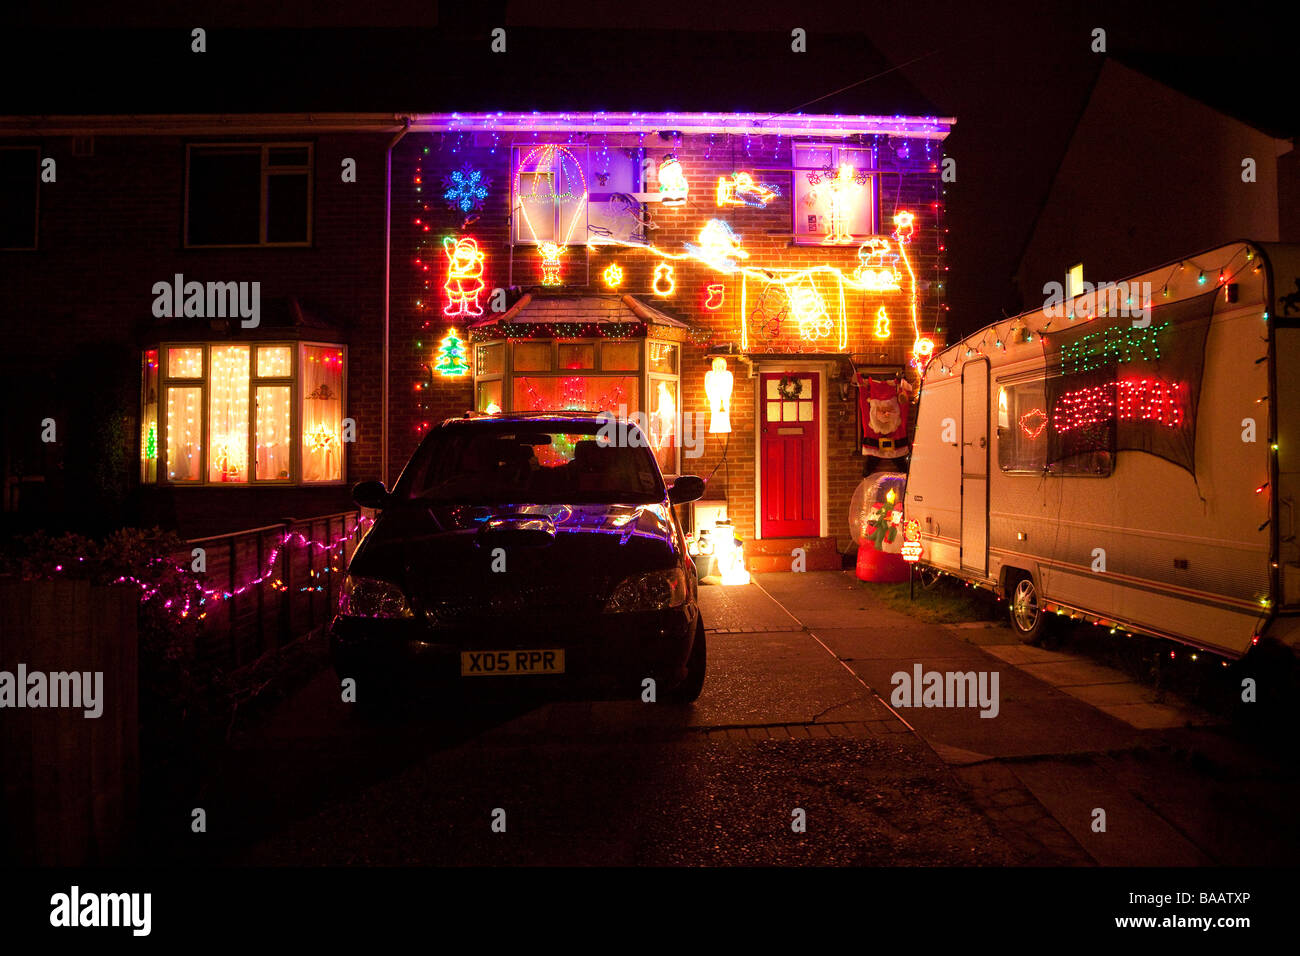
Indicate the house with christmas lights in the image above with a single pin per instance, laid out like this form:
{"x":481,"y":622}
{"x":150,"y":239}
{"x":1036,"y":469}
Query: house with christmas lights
{"x":260,"y":309}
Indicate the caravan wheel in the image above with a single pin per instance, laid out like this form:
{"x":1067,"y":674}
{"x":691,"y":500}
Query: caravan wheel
{"x":1024,"y":608}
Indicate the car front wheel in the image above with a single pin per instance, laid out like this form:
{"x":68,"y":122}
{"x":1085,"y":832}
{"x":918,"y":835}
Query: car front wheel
{"x":688,"y":691}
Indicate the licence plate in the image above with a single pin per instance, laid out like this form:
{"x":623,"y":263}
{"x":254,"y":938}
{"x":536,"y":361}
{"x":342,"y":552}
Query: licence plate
{"x":493,"y":663}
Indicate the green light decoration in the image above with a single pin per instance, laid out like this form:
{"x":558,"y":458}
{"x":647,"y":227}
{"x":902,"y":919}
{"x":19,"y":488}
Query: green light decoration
{"x":1121,"y":343}
{"x":151,"y":442}
{"x":451,"y":355}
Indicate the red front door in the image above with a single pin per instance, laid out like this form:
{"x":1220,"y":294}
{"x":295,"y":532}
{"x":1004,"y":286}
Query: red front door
{"x":791,"y":477}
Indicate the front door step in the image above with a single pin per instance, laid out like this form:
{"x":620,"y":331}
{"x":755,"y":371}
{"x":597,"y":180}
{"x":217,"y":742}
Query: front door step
{"x":778,"y":554}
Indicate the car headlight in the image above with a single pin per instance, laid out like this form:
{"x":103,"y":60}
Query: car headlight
{"x":371,"y":597}
{"x":651,"y":591}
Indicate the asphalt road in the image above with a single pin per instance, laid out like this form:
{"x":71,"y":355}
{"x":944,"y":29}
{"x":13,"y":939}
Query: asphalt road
{"x":791,"y":719}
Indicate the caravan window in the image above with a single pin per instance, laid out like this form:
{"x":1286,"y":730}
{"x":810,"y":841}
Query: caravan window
{"x":1023,"y":432}
{"x":1022,"y":427}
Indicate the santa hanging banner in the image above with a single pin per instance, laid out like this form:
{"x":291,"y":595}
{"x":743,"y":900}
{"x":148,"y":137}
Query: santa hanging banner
{"x":882,"y":407}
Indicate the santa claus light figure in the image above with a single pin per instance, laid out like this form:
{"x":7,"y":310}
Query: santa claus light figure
{"x":883,"y":407}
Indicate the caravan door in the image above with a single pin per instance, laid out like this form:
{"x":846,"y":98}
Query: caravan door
{"x":975,"y":466}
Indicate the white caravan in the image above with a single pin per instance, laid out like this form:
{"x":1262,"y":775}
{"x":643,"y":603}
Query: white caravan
{"x":1129,"y":456}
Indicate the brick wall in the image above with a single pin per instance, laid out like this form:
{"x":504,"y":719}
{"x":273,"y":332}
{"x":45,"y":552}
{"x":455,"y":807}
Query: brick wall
{"x":421,"y":218}
{"x":110,"y":227}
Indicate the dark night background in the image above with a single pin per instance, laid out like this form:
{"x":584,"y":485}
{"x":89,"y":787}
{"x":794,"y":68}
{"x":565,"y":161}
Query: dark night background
{"x":1015,"y":75}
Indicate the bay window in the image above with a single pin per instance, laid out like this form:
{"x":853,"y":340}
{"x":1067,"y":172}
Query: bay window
{"x":622,"y":376}
{"x":243,"y":414}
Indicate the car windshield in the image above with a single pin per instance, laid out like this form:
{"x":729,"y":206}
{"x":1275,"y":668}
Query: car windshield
{"x":547,"y":463}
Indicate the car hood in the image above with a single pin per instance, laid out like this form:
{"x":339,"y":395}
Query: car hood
{"x":441,"y":559}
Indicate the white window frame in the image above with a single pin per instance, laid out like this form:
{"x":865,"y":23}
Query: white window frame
{"x":203,"y":383}
{"x":801,"y":236}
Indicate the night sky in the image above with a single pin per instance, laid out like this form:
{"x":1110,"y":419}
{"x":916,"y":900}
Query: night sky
{"x":1015,"y":75}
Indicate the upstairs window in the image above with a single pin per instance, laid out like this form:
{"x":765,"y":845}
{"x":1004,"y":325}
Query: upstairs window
{"x":834,"y":199}
{"x":19,"y":190}
{"x":248,"y":195}
{"x":568,"y":194}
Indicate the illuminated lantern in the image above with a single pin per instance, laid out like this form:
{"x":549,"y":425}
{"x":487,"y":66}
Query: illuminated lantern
{"x":673,"y":186}
{"x":717,"y":386}
{"x":464,"y":276}
{"x":613,"y":275}
{"x":664,"y":281}
{"x":550,"y":253}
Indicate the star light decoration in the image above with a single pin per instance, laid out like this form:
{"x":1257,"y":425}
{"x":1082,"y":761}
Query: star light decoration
{"x":465,"y":189}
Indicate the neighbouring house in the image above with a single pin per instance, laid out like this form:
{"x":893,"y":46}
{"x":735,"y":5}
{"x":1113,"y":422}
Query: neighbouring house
{"x":1152,"y":172}
{"x":477,"y":260}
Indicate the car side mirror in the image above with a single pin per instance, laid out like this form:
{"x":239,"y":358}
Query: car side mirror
{"x":370,"y":494}
{"x":686,"y":488}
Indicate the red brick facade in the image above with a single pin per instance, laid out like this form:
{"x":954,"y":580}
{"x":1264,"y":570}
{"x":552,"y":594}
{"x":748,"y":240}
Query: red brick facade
{"x":910,"y":183}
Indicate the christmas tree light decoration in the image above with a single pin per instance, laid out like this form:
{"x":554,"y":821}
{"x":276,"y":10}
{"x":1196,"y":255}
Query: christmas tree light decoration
{"x":877,"y":269}
{"x":550,"y":253}
{"x":673,"y":186}
{"x":1033,"y":422}
{"x":664,"y":281}
{"x":464,"y":277}
{"x":715,"y":296}
{"x":613,"y":275}
{"x":740,"y":190}
{"x":151,"y":442}
{"x":882,"y":323}
{"x":451,"y":356}
{"x":719,"y":247}
{"x":465,"y":189}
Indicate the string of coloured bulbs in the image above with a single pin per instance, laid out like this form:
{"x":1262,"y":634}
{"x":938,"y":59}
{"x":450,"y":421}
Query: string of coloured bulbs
{"x":203,"y":595}
{"x":964,"y":350}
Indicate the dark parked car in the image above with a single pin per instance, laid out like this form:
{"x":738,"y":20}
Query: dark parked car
{"x":536,"y":550}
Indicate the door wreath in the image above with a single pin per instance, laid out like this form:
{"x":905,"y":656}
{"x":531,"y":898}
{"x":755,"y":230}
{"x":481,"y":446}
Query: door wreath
{"x":789,"y":387}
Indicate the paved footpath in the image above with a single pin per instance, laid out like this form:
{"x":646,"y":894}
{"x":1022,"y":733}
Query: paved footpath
{"x":1074,"y":736}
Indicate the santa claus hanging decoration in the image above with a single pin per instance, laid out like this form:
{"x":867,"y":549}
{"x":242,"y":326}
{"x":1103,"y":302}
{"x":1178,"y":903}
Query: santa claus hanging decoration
{"x":883,"y":407}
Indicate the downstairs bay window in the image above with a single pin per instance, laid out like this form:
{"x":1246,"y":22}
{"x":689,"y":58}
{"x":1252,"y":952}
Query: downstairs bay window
{"x":638,"y":377}
{"x":246,"y":414}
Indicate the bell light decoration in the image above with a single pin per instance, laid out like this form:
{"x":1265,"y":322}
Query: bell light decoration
{"x":717,"y":386}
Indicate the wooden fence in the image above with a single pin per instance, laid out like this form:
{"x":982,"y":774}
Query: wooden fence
{"x":69,"y":783}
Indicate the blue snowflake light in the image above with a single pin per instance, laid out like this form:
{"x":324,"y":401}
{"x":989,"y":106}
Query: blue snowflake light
{"x":465,"y":189}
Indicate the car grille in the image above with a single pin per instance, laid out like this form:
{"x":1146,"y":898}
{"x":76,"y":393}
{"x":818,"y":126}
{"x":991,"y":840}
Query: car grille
{"x":525,"y":602}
